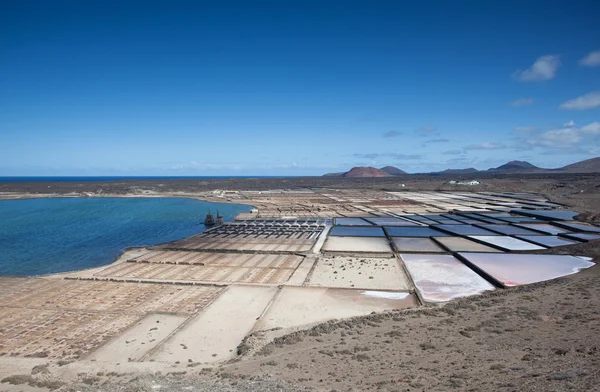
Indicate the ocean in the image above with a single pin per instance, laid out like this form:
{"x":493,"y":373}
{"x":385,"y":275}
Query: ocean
{"x":51,"y":235}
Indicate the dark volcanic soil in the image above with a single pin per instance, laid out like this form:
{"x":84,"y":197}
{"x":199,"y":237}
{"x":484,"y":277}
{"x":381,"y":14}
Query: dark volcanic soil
{"x":577,"y":190}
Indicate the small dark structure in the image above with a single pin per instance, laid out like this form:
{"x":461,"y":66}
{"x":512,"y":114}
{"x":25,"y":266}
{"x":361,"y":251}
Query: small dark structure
{"x":209,"y":220}
{"x":219,"y":219}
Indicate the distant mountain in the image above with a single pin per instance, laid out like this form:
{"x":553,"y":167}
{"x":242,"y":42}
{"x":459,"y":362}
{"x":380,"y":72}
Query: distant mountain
{"x":334,"y":174}
{"x":394,"y":171}
{"x":514,"y":166}
{"x":365,"y":172}
{"x":470,"y":170}
{"x":588,"y":166}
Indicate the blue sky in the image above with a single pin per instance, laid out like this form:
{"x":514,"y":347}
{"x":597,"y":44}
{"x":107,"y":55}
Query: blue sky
{"x":295,"y":87}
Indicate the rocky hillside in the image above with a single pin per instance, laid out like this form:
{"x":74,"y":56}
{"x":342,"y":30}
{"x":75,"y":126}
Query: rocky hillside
{"x":514,"y":165}
{"x":469,"y":170}
{"x":587,"y":166}
{"x":356,"y":172}
{"x":392,"y":170}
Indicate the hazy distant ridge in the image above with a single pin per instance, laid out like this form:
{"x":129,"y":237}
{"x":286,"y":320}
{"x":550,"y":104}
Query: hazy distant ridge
{"x":365,"y":172}
{"x":587,"y":166}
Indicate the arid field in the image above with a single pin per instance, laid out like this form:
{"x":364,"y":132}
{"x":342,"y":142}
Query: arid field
{"x":329,"y":284}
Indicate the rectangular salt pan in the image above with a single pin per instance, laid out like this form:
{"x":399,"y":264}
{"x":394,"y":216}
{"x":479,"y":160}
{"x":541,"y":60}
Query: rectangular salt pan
{"x":413,"y":232}
{"x":543,"y":227}
{"x":455,"y":217}
{"x":359,"y":272}
{"x":391,"y":222}
{"x":482,"y":218}
{"x":352,"y":231}
{"x":355,"y":231}
{"x":351,"y":222}
{"x":441,"y":278}
{"x":509,"y":230}
{"x":506,"y":243}
{"x":357,"y":244}
{"x":423,"y":245}
{"x":520,"y":269}
{"x":449,"y":222}
{"x":464,"y":230}
{"x":496,"y":214}
{"x":486,"y":219}
{"x":565,"y":215}
{"x":578,"y":226}
{"x":519,"y":219}
{"x":582,"y":236}
{"x":547,"y":240}
{"x":420,"y":218}
{"x":460,"y":244}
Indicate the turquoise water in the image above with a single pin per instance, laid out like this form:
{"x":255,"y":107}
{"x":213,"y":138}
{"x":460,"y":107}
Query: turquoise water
{"x":42,"y":236}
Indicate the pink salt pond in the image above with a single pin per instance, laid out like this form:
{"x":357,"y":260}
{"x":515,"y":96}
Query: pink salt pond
{"x":441,"y":278}
{"x":521,"y":269}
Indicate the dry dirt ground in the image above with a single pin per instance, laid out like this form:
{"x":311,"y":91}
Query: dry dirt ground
{"x":543,"y":337}
{"x":529,"y":339}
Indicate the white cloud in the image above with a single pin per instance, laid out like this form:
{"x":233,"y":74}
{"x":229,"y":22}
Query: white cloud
{"x":587,"y":101}
{"x":592,"y":128}
{"x":521,"y":102}
{"x":543,"y":69}
{"x":485,"y":146}
{"x":594,"y":151}
{"x":568,"y":139}
{"x":591,"y":60}
{"x":560,"y":138}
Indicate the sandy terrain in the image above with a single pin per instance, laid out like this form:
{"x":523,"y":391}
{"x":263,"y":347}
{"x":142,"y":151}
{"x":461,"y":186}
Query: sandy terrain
{"x":535,"y":338}
{"x":302,"y":272}
{"x":539,"y":337}
{"x":359,"y":272}
{"x":138,"y":340}
{"x":214,"y":334}
{"x":357,"y":244}
{"x":529,"y":339}
{"x":299,"y":306}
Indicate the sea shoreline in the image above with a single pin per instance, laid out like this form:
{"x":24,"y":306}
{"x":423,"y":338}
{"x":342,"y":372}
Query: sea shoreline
{"x":125,"y":250}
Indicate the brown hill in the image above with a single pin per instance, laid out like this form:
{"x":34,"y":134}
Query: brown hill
{"x":588,"y":166}
{"x":394,"y":171}
{"x":514,"y":166}
{"x":365,"y":172}
{"x":469,"y":170}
